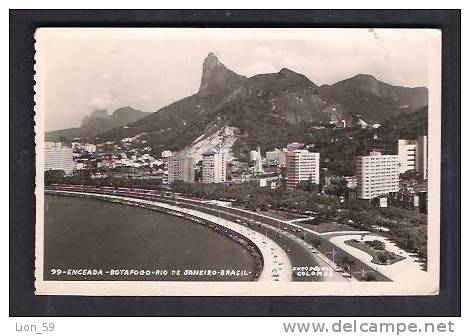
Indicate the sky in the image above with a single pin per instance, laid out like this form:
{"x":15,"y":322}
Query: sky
{"x":84,"y":69}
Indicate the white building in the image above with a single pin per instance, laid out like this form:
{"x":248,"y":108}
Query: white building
{"x":58,"y":157}
{"x":181,"y":168}
{"x":90,"y":148}
{"x":422,"y":157}
{"x":166,"y":154}
{"x":302,"y":165}
{"x":406,"y":155}
{"x":413,"y":155}
{"x":76,"y":145}
{"x":255,"y":155}
{"x":214,"y":167}
{"x":277,"y":156}
{"x":80,"y":166}
{"x":273,"y":156}
{"x":282,"y":157}
{"x":351,"y":181}
{"x":377,"y":175}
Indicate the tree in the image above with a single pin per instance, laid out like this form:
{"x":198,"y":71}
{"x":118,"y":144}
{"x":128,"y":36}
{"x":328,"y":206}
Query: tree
{"x":308,"y":186}
{"x":316,"y":242}
{"x":347,"y":262}
{"x":382,"y":257}
{"x":53,"y":176}
{"x":251,"y":205}
{"x":370,"y":277}
{"x":377,"y":244}
{"x":410,"y":175}
{"x":338,"y":188}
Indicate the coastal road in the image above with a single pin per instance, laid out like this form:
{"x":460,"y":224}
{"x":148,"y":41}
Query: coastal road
{"x":327,"y":254}
{"x":307,"y":264}
{"x":276,"y":263}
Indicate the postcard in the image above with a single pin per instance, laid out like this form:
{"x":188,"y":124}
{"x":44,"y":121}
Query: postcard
{"x":240,"y":162}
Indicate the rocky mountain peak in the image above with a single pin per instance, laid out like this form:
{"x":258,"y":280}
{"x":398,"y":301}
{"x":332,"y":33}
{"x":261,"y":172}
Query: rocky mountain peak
{"x":211,"y":61}
{"x":287,"y":72}
{"x":365,"y":77}
{"x":99,"y":113}
{"x":216,"y":77}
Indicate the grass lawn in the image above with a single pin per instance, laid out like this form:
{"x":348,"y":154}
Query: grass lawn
{"x":284,"y":215}
{"x":327,"y":227}
{"x":375,"y":253}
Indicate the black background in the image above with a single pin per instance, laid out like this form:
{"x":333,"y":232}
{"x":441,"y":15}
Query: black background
{"x":23,"y":302}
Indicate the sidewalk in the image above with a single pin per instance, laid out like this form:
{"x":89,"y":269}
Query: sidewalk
{"x":401,"y":271}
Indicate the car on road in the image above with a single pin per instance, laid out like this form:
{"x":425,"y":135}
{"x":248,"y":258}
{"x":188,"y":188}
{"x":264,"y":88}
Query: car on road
{"x":345,"y":274}
{"x":287,"y":250}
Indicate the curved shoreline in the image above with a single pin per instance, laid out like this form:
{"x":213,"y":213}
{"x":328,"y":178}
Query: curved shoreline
{"x":260,"y":271}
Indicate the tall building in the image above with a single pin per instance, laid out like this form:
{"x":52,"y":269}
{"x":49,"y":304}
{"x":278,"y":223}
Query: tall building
{"x":282,"y":157}
{"x":406,"y":155}
{"x":58,"y":157}
{"x":181,"y":167}
{"x":166,"y":154}
{"x":422,"y":157}
{"x":255,"y":155}
{"x":377,"y":175}
{"x":412,"y":154}
{"x":214,"y":167}
{"x":302,"y":165}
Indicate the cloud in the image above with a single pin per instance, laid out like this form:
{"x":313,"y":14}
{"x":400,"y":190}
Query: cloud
{"x":102,"y":100}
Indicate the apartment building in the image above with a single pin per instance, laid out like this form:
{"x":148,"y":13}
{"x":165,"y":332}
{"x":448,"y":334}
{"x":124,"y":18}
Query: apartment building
{"x":58,"y":157}
{"x":422,"y":157}
{"x":407,"y":155}
{"x":181,"y":168}
{"x":214,"y":167}
{"x":412,"y":154}
{"x":302,"y":165}
{"x":377,"y":175}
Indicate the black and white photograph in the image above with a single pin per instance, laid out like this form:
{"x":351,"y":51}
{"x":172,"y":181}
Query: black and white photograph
{"x":237,"y":161}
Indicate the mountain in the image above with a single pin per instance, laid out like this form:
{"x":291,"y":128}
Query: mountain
{"x":287,"y":95}
{"x":266,"y":109}
{"x":374,"y":100}
{"x":97,"y":122}
{"x":406,"y":126}
{"x":280,"y":100}
{"x":178,"y":124}
{"x":216,"y":79}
